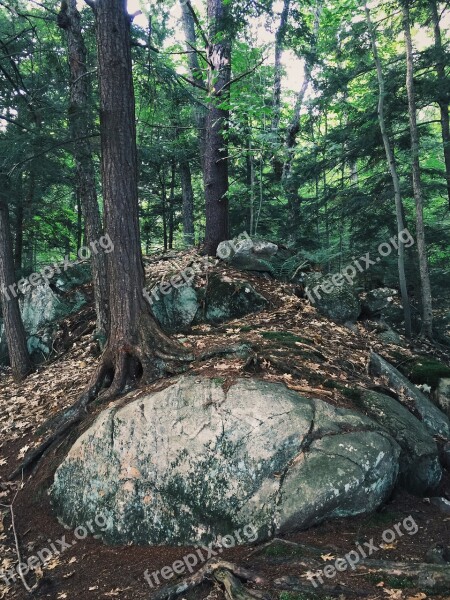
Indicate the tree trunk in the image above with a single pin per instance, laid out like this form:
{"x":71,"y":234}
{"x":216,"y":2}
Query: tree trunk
{"x":443,"y":97}
{"x":216,"y":144}
{"x":14,"y":330}
{"x":394,"y":175}
{"x":279,"y":47}
{"x":81,"y":125}
{"x":276,"y":104}
{"x":427,"y":309}
{"x":195,"y":70}
{"x":173,"y":172}
{"x":294,"y":126}
{"x":188,"y":203}
{"x":18,"y":247}
{"x":162,"y":178}
{"x":137,"y":348}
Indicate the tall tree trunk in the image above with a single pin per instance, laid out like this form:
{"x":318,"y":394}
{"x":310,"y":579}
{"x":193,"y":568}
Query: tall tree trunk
{"x":251,"y":180}
{"x":137,"y":347}
{"x":19,"y":224}
{"x":15,"y":332}
{"x":278,"y":75}
{"x":173,"y":172}
{"x":81,"y":125}
{"x":294,"y":126}
{"x":427,"y":309}
{"x":188,"y":203}
{"x":216,"y":144}
{"x":162,"y":178}
{"x":279,"y":48}
{"x":195,"y":70}
{"x":443,"y":96}
{"x":394,"y":175}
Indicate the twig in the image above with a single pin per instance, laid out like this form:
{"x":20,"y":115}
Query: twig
{"x":16,"y":541}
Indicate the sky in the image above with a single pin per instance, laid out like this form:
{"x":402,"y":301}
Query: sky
{"x":293,"y":65}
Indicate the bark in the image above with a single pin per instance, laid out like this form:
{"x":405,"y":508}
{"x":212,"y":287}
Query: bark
{"x":443,"y":98}
{"x":137,"y":348}
{"x":81,"y":125}
{"x":427,"y":309}
{"x":216,"y":145}
{"x":188,"y":203}
{"x":162,"y":178}
{"x":173,"y":172}
{"x":251,"y":181}
{"x":394,"y":175}
{"x":18,"y":246}
{"x":195,"y":71}
{"x":14,"y":330}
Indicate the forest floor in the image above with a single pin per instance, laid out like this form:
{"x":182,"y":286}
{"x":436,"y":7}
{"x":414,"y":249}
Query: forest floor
{"x":292,"y":344}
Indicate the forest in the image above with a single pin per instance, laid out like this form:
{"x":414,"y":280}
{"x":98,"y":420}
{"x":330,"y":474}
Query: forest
{"x":224,"y":295}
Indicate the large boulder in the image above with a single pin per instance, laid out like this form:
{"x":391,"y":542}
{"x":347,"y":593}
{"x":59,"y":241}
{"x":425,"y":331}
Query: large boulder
{"x":196,"y":461}
{"x":339,"y":303}
{"x":177,"y":311}
{"x":44,"y":305}
{"x":248,"y":255}
{"x":420,"y":469}
{"x":377,"y":301}
{"x":434,"y":420}
{"x":222,"y":300}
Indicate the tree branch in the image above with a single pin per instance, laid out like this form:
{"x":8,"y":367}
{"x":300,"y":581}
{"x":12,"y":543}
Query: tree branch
{"x":9,"y":120}
{"x":197,"y":22}
{"x":200,"y":86}
{"x":239,"y":77}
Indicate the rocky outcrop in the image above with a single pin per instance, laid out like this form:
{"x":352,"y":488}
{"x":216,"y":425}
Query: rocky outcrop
{"x":248,"y":255}
{"x":420,"y":470}
{"x":377,"y":301}
{"x":441,"y":395}
{"x":194,"y":462}
{"x":222,"y":300}
{"x":44,"y":305}
{"x":434,"y":420}
{"x":339,"y":303}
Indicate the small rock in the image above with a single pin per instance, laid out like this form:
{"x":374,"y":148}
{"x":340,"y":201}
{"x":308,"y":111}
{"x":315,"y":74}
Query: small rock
{"x":437,"y":555}
{"x":442,"y":504}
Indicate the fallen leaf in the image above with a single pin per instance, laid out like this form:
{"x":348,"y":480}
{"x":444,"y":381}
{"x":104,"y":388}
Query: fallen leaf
{"x":392,"y":546}
{"x":327,"y":557}
{"x":394,"y":594}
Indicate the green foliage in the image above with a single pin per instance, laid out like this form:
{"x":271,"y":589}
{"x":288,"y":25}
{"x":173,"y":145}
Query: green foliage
{"x":337,"y":202}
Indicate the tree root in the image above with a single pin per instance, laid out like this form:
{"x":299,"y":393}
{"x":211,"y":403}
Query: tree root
{"x":425,"y":576}
{"x":234,"y":590}
{"x":231,"y":577}
{"x":226,"y":571}
{"x":121,"y":368}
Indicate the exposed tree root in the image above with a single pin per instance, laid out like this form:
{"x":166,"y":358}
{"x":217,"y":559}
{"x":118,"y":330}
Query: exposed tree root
{"x":231,"y":576}
{"x":150,"y":356}
{"x":208,"y":573}
{"x":234,"y":590}
{"x":124,"y":364}
{"x":425,"y":576}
